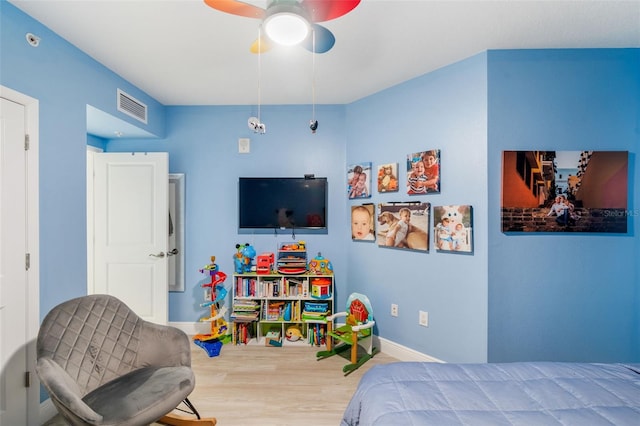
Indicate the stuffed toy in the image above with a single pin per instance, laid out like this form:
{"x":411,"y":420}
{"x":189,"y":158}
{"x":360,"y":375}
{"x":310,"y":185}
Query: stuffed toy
{"x":293,"y":333}
{"x":243,"y":259}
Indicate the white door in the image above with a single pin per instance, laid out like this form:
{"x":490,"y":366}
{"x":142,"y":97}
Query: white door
{"x":16,"y":352}
{"x":131,"y":230}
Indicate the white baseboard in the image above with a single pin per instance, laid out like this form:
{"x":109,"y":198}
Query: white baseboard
{"x":192,"y":328}
{"x":47,"y":411}
{"x":388,"y":347}
{"x":401,"y":352}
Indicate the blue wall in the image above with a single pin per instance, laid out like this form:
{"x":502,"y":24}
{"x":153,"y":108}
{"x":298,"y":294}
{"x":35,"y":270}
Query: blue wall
{"x":516,"y":298}
{"x":64,"y":80}
{"x":444,"y":110}
{"x":203,"y":144}
{"x":563,"y":297}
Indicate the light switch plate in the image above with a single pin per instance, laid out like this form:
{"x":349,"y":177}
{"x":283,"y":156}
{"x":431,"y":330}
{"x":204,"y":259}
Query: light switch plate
{"x":244,"y":145}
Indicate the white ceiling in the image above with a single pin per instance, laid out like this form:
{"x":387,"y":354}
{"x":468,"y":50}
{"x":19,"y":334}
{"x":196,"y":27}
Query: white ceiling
{"x":182,"y":52}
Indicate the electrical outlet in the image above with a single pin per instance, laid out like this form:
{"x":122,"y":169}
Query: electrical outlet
{"x":394,"y":310}
{"x":423,"y":318}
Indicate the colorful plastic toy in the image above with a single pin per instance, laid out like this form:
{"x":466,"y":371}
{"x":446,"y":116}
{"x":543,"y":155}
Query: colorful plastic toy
{"x":243,"y":258}
{"x":211,"y":347}
{"x":215,"y":295}
{"x":320,"y":266}
{"x":299,"y":246}
{"x":264,"y":263}
{"x":320,"y":288}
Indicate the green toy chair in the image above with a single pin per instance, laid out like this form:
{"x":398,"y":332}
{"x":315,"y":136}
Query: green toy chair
{"x":357,"y":332}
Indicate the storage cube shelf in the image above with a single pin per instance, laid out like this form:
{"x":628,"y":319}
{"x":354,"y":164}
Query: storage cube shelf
{"x":293,"y":307}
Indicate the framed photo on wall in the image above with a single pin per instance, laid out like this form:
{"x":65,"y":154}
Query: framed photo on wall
{"x":388,"y":178}
{"x":359,"y":180}
{"x":363,"y":224}
{"x":565,"y":191}
{"x":452,"y":229}
{"x":423,"y":172}
{"x":404,"y":225}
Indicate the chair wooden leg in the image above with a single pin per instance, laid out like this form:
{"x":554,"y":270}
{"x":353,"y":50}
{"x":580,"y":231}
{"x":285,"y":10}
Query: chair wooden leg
{"x":354,"y":348}
{"x":329,"y":338}
{"x":173,"y":420}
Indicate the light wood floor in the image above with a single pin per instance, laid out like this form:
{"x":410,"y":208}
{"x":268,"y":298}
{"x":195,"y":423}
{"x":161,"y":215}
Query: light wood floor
{"x":269,"y":386}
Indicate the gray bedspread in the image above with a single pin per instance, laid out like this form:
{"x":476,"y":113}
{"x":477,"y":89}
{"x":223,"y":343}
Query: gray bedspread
{"x":533,"y":393}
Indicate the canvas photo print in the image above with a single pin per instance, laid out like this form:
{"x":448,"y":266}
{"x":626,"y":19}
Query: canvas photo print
{"x":363,"y":224}
{"x":423,"y":172}
{"x":564,"y":191}
{"x":388,"y":178}
{"x":452,"y":229}
{"x":359,"y":180}
{"x":403,"y":225}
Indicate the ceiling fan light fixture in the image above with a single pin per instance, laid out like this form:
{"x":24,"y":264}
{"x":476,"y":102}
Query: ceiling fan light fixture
{"x":286,"y":24}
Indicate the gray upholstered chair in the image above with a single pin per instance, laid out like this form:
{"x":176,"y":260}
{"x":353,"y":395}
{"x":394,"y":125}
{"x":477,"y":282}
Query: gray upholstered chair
{"x":103,"y":365}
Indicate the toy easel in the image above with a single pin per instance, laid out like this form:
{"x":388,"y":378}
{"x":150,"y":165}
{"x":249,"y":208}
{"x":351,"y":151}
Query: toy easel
{"x":215,"y":294}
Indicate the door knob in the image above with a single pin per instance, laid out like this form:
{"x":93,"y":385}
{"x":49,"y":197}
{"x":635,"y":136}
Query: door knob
{"x":172,"y":252}
{"x":160,"y":255}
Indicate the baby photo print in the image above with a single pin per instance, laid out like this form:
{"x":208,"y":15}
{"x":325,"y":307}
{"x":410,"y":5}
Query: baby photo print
{"x":423,"y":172}
{"x":452,"y":228}
{"x":403,"y":225}
{"x":388,"y":178}
{"x":363,"y":226}
{"x":359,"y":180}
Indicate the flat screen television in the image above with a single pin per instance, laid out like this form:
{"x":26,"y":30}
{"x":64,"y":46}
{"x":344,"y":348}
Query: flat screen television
{"x":282,"y":203}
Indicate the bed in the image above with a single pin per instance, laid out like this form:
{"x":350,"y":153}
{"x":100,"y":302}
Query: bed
{"x":532,"y":393}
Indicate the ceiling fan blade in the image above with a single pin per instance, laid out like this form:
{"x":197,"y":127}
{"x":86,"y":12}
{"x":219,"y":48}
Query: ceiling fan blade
{"x":261,"y":45}
{"x":237,"y":8}
{"x":326,"y":10}
{"x":324,"y":39}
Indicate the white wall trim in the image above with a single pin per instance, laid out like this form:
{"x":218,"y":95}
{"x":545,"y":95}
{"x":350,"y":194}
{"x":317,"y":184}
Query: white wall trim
{"x":387,"y":347}
{"x":402,"y":352}
{"x":192,"y":328}
{"x":47,"y":411}
{"x":32,"y":122}
{"x":91,"y":150}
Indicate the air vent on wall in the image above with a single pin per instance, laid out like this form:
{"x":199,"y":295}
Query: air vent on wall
{"x":131,"y":106}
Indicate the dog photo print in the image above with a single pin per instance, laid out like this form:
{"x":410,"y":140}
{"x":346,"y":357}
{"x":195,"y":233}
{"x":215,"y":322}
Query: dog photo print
{"x":359,"y":180}
{"x":404,"y":225}
{"x":423,"y":172}
{"x":452,"y":228}
{"x":388,"y":178}
{"x":363,"y":224}
{"x":565,"y":191}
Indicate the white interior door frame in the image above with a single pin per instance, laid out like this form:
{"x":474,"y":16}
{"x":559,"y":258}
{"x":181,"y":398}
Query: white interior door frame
{"x":91,"y":150}
{"x":32,"y":309}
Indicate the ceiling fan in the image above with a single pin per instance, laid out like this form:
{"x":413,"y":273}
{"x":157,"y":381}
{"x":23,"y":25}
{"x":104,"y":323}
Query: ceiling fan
{"x":295,"y":17}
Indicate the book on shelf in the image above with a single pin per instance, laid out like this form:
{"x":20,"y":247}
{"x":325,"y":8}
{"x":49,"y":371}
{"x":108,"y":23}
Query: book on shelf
{"x":294,"y":287}
{"x":246,"y":287}
{"x":317,"y":334}
{"x":315,"y":311}
{"x":242,"y":333}
{"x":245,"y":310}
